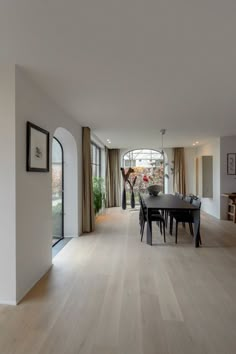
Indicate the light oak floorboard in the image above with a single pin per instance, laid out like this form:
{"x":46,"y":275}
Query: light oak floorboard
{"x":108,"y":293}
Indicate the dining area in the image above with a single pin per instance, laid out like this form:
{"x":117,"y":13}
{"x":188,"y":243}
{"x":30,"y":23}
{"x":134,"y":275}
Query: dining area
{"x":168,"y":211}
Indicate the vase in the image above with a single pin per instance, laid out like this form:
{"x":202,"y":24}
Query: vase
{"x":124,"y":199}
{"x":132,"y":200}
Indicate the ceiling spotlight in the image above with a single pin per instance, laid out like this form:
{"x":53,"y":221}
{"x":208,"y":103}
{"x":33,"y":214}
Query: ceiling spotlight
{"x":197,"y":142}
{"x":194,"y":144}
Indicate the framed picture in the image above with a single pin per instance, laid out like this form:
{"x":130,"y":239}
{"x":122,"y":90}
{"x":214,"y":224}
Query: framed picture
{"x":231,"y":164}
{"x":37,"y":154}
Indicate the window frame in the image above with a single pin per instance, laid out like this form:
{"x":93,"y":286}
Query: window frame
{"x":98,"y":163}
{"x":62,"y":191}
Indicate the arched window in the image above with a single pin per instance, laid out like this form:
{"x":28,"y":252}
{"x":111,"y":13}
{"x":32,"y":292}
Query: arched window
{"x":149,"y":167}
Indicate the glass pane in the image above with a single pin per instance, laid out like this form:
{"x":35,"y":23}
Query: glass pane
{"x":94,"y":170}
{"x":94,"y":154}
{"x":57,"y":190}
{"x":98,"y":156}
{"x":98,"y":171}
{"x":148,"y":168}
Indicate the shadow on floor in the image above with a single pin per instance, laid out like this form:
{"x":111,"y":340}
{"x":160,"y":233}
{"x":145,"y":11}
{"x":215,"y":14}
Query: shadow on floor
{"x":58,"y":247}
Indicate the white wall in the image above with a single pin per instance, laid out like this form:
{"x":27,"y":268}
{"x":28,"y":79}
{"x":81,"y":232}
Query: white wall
{"x":212,"y":205}
{"x":33,"y":190}
{"x":228,"y":182}
{"x":70,"y":182}
{"x":7,"y":184}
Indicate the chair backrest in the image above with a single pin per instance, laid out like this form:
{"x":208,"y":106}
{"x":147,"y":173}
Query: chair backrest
{"x":197,"y":203}
{"x":181,"y":196}
{"x":193,"y":196}
{"x":176,"y":194}
{"x":142,"y":208}
{"x":188,"y":199}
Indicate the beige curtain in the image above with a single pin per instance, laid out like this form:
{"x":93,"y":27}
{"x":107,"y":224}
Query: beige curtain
{"x":179,"y":171}
{"x":112,"y":178}
{"x":88,"y":218}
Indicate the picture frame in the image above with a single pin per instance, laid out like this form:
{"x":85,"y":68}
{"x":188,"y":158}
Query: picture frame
{"x":37,"y":148}
{"x":231,"y":164}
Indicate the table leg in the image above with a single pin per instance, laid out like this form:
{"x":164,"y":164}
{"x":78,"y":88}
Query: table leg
{"x":196,"y":220}
{"x":149,"y":228}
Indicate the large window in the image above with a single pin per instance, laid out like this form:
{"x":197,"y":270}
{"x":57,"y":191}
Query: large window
{"x":96,"y":160}
{"x":148,"y":166}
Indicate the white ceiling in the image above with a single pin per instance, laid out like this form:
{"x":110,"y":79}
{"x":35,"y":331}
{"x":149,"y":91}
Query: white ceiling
{"x":128,"y":68}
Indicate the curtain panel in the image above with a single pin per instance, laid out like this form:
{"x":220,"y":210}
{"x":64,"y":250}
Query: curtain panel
{"x":112,"y":178}
{"x":88,"y":217}
{"x":179,"y":171}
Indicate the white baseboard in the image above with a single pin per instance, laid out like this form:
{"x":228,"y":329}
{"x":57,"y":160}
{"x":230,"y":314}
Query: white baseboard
{"x":70,"y":236}
{"x":31,"y":287}
{"x":6,"y":302}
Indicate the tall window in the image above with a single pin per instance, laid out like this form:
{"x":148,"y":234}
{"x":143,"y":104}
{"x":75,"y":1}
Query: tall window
{"x":148,"y":166}
{"x":96,"y":160}
{"x":57,"y":191}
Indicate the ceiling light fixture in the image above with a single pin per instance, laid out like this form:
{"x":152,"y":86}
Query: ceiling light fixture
{"x":162,"y":132}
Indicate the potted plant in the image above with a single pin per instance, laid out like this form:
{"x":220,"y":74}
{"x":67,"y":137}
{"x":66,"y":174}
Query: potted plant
{"x":98,"y":193}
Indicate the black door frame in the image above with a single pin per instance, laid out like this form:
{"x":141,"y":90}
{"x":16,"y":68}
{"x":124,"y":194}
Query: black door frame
{"x":62,"y":193}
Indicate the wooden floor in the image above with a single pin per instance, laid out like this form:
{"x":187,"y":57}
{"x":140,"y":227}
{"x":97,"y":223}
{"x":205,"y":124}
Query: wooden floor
{"x":108,"y":293}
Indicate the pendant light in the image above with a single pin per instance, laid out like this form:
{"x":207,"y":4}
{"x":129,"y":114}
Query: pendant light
{"x":162,"y":132}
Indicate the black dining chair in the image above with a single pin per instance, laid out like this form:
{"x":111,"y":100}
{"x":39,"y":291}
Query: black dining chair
{"x":184,"y":217}
{"x":155,"y":216}
{"x":168,"y":213}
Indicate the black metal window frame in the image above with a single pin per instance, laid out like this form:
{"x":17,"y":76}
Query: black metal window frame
{"x":96,"y":163}
{"x":62,"y":194}
{"x":137,"y":152}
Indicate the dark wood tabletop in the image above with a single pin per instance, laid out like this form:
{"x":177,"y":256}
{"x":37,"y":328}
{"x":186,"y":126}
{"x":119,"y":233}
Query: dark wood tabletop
{"x":166,"y":202}
{"x":170,"y":202}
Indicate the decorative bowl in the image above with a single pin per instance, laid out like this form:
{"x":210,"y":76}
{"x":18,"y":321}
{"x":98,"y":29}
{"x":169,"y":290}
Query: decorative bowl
{"x":154,"y":189}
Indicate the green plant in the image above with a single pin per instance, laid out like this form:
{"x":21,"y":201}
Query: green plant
{"x":98,"y":193}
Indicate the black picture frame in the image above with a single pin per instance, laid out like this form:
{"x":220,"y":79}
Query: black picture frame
{"x":37,"y":148}
{"x":231,"y":164}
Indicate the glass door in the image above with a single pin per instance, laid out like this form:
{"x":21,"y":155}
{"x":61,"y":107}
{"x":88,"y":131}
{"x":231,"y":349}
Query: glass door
{"x":57,"y":191}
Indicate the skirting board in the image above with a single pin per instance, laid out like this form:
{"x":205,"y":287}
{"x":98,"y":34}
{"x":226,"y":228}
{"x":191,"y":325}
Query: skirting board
{"x":6,"y":302}
{"x":14,"y":303}
{"x":26,"y":292}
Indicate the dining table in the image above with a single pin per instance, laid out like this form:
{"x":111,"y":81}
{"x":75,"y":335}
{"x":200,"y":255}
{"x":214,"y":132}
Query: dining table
{"x":170,"y":202}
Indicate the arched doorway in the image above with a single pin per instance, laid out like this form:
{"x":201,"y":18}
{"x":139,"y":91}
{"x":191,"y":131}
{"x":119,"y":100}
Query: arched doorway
{"x":70,"y":182}
{"x":57,"y":191}
{"x":149,"y":166}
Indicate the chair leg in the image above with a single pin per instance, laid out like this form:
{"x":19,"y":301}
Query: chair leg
{"x":171,"y":225}
{"x":183,"y":223}
{"x":166,"y":218}
{"x":176,"y":232}
{"x":191,"y":228}
{"x":142,"y":231}
{"x":161,"y":227}
{"x":164,"y":231}
{"x":200,"y":240}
